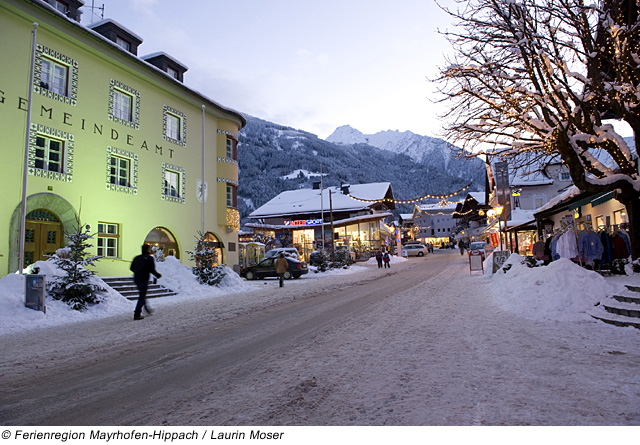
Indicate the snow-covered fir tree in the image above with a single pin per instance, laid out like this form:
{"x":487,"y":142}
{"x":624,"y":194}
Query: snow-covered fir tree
{"x":205,"y":256}
{"x":74,"y":288}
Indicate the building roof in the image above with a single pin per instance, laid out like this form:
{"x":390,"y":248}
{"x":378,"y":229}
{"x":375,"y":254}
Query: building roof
{"x":306,"y":201}
{"x":429,"y":208}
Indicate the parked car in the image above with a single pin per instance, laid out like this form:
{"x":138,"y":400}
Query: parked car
{"x":415,"y":249}
{"x":478,"y":245}
{"x":289,"y":252}
{"x":267,"y":268}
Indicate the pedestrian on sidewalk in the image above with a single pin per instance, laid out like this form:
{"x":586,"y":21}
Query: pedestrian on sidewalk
{"x":386,"y":260}
{"x":281,"y":267}
{"x":462,"y":246}
{"x":142,"y":267}
{"x":379,"y":259}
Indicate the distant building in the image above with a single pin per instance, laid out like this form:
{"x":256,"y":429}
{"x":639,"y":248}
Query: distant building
{"x":115,"y":139}
{"x":434,"y":223}
{"x":356,"y":213}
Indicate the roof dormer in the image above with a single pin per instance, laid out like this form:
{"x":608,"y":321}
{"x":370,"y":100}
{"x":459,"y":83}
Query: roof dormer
{"x":118,"y":34}
{"x":70,"y":8}
{"x":167,"y":64}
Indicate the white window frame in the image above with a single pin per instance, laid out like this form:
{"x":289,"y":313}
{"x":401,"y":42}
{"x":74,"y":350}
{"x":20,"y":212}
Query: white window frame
{"x":108,"y":239}
{"x":171,"y":183}
{"x":122,"y":105}
{"x":117,"y":177}
{"x":131,"y":186}
{"x":54,"y":76}
{"x":61,"y":6}
{"x":173,"y":73}
{"x":229,"y":148}
{"x":539,"y":198}
{"x":44,"y":154}
{"x":173,"y":129}
{"x":173,"y":176}
{"x":564,"y":175}
{"x":124,"y":44}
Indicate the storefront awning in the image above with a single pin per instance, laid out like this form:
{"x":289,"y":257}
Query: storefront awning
{"x":604,"y":198}
{"x":590,"y":200}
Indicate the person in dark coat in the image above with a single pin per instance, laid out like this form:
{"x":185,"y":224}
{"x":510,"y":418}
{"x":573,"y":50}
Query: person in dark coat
{"x":386,"y":259}
{"x":379,"y":259}
{"x":142,"y":267}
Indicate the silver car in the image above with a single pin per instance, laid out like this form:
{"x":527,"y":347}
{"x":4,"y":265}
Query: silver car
{"x":415,"y":249}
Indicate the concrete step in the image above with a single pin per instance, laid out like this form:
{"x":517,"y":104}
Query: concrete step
{"x":600,"y":313}
{"x":126,"y":287}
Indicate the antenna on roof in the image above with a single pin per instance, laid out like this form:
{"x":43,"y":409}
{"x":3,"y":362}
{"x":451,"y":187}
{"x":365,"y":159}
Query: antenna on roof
{"x":93,"y":7}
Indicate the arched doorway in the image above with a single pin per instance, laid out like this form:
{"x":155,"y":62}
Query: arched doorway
{"x":216,"y":244}
{"x":43,"y":235}
{"x":162,"y":238}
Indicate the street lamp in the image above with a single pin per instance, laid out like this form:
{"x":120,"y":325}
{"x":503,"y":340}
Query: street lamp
{"x":495,"y":212}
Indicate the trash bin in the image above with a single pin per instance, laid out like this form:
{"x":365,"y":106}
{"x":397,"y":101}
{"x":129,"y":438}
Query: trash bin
{"x":35,"y":292}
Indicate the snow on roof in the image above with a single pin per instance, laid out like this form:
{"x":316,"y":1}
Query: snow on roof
{"x":102,"y":22}
{"x":567,"y":194}
{"x":437,"y":206}
{"x":478,"y":196}
{"x":519,"y":216}
{"x":162,"y":53}
{"x":522,"y":178}
{"x":306,"y":201}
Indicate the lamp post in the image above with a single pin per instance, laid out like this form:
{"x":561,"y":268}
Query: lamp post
{"x":499,"y":211}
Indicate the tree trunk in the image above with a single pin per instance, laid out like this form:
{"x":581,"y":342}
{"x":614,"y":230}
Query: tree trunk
{"x":632,"y":204}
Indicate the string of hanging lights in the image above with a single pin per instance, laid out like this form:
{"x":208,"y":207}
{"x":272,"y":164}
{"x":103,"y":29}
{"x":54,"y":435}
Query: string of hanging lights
{"x":410,"y":201}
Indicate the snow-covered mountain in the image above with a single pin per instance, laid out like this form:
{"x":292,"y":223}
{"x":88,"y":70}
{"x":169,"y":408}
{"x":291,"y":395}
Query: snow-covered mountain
{"x":273,"y":158}
{"x":423,"y":149}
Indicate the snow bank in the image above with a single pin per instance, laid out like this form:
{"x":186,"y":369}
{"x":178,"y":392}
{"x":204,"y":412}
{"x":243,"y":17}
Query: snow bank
{"x":561,"y":291}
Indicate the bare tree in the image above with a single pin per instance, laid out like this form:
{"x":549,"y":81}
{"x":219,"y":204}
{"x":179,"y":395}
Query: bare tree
{"x":539,"y":78}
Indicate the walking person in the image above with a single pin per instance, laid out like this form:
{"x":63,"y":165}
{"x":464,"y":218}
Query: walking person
{"x":386,"y":260}
{"x":281,"y":267}
{"x":142,"y":267}
{"x":379,"y":259}
{"x":462,"y":245}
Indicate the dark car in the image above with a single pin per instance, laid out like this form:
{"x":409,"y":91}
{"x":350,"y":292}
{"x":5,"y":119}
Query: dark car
{"x":267,"y":268}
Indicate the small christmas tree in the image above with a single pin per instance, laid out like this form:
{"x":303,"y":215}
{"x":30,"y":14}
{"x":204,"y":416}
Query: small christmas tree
{"x":74,"y":288}
{"x":205,"y":256}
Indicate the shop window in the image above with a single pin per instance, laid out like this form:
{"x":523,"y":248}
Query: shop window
{"x":162,"y":239}
{"x":55,"y":75}
{"x":600,"y":224}
{"x":620,"y":217}
{"x":108,"y":239}
{"x":124,"y":104}
{"x":174,"y":126}
{"x":173,"y":183}
{"x":122,"y":171}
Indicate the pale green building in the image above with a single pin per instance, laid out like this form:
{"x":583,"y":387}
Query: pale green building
{"x":115,"y":138}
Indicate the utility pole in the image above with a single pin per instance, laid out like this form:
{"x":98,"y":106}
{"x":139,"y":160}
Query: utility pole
{"x":333,"y":241}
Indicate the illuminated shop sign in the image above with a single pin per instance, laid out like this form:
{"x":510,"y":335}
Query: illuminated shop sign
{"x":304,"y":222}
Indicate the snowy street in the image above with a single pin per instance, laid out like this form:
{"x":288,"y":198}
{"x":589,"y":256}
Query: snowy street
{"x":422,"y":343}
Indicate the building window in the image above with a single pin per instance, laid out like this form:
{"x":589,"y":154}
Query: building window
{"x":124,"y":104}
{"x":230,"y":148}
{"x":124,"y":44}
{"x":232,"y":196}
{"x":122,"y":171}
{"x":55,"y":75}
{"x":50,"y":153}
{"x":173,"y":73}
{"x":108,"y":239}
{"x":564,"y":175}
{"x":174,"y":126}
{"x":61,"y":6}
{"x":173,"y":183}
{"x":539,"y":201}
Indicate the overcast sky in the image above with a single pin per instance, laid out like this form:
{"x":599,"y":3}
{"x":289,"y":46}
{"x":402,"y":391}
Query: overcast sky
{"x":311,"y":65}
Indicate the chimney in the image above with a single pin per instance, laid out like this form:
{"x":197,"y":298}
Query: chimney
{"x":345,"y":189}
